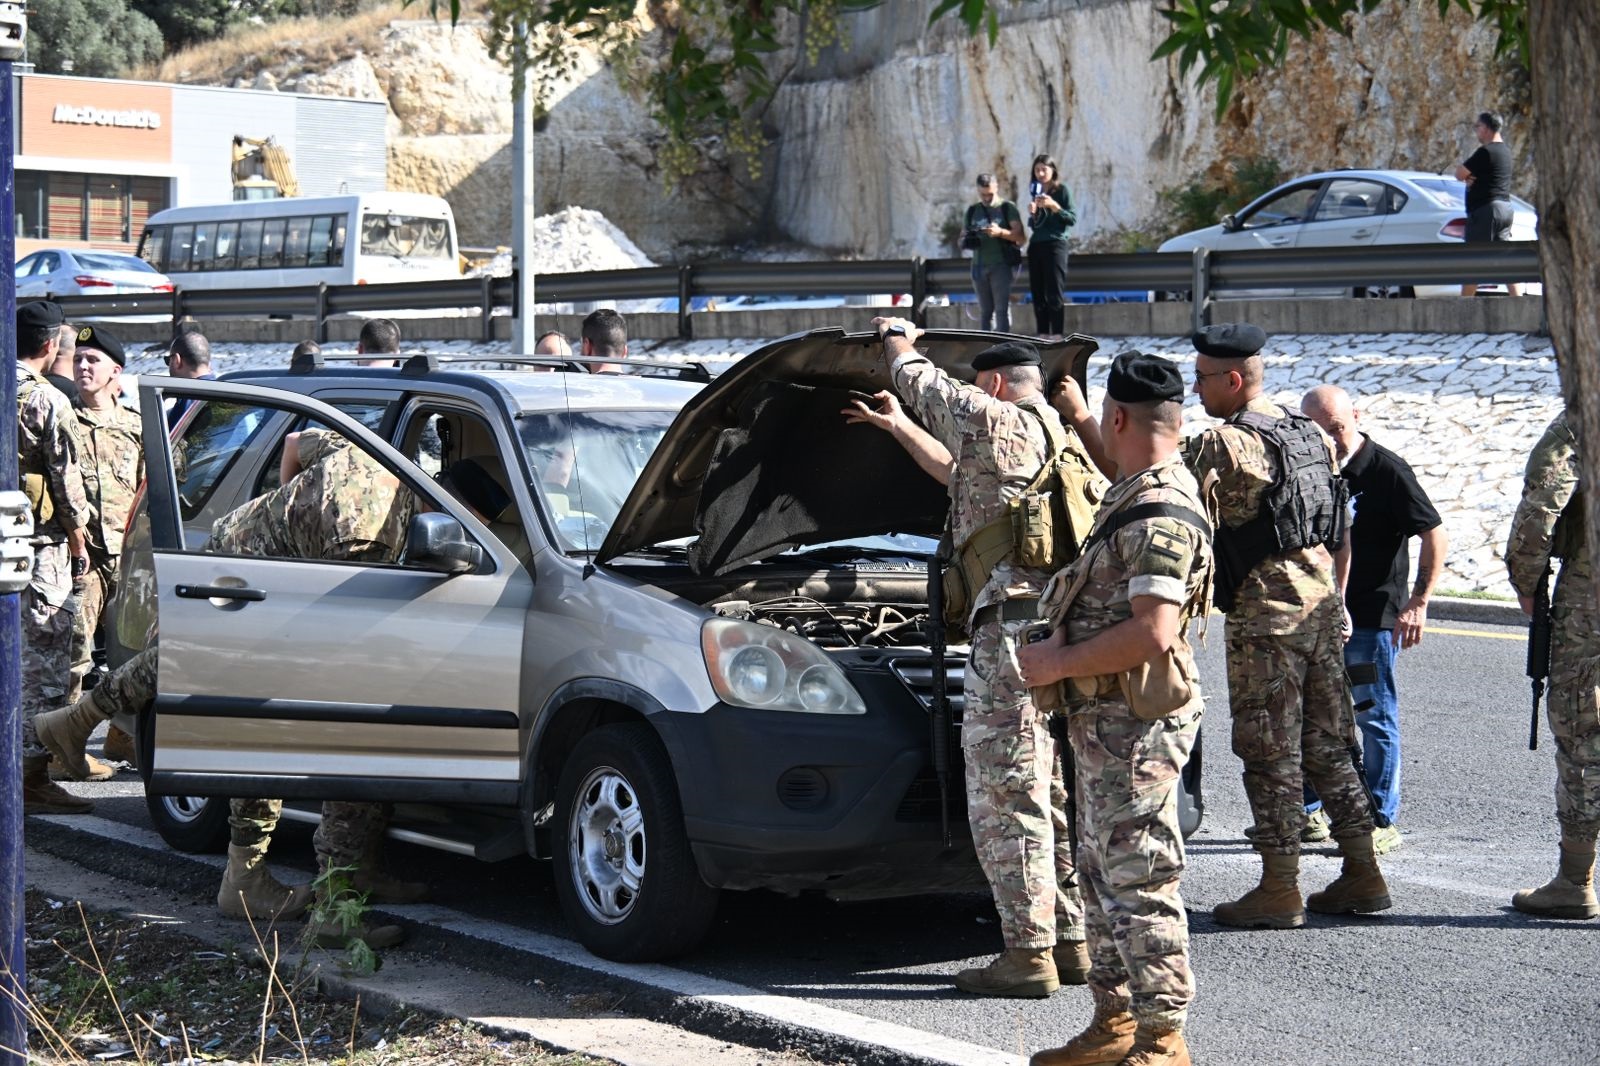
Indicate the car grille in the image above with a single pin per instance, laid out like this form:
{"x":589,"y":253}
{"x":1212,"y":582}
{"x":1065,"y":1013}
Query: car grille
{"x":921,"y":801}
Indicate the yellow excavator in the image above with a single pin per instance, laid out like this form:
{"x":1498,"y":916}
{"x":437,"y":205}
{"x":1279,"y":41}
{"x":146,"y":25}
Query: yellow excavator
{"x":262,"y":170}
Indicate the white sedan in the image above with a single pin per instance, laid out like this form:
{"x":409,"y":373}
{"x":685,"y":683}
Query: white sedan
{"x":86,"y":272}
{"x":1352,"y":209}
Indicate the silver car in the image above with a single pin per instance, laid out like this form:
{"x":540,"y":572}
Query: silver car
{"x":85,"y":272}
{"x":674,"y":638}
{"x":1352,"y":209}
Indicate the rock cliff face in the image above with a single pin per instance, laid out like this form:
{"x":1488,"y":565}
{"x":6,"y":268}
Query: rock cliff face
{"x":875,"y":147}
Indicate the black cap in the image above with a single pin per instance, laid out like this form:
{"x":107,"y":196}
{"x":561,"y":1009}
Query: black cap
{"x":1231,"y":340}
{"x":1006,"y":353}
{"x":102,"y":340}
{"x":39,"y":314}
{"x":1139,"y":378}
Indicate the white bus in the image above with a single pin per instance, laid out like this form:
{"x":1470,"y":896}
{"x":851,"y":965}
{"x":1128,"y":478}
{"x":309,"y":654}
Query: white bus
{"x":253,"y":244}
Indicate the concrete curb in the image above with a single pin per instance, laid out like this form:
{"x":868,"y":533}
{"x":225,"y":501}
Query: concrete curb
{"x":705,"y":1006}
{"x":1486,"y":612}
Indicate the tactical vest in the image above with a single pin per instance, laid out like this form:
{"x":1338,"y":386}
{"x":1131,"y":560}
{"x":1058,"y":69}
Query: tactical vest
{"x":1568,"y":537}
{"x":1044,"y":526}
{"x":1306,"y":505}
{"x":35,"y":483}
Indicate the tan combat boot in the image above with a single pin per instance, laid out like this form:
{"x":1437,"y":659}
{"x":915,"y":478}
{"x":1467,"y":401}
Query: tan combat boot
{"x":370,"y":879}
{"x":66,"y":731}
{"x":1152,"y":1047}
{"x":1359,"y":888}
{"x":331,"y":934}
{"x":1022,"y":973}
{"x":1274,"y":903}
{"x":1570,"y":893}
{"x":42,"y":796}
{"x":1072,"y":961}
{"x":249,"y":889}
{"x":119,"y":747}
{"x":98,"y":771}
{"x":1106,"y":1042}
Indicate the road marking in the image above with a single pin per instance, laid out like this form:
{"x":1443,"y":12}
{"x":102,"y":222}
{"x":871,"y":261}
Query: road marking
{"x":1474,"y":633}
{"x":786,"y":1010}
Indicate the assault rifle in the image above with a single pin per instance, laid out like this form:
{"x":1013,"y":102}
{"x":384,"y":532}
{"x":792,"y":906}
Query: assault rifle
{"x":940,"y":723}
{"x":1539,"y":651}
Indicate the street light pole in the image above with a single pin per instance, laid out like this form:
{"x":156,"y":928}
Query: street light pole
{"x":522,"y":336}
{"x":13,"y":956}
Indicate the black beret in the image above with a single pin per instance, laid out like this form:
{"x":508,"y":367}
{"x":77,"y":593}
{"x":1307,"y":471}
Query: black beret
{"x":39,"y":314}
{"x":1231,"y":340}
{"x":102,"y":340}
{"x":1006,"y":353}
{"x":1139,"y":378}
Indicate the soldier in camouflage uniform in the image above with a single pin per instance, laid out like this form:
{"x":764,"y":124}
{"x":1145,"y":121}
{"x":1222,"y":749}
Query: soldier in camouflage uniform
{"x":1286,"y":678}
{"x":50,"y":475}
{"x":1549,"y":523}
{"x":985,"y":441}
{"x":113,"y":467}
{"x":342,"y":505}
{"x":1144,"y":573}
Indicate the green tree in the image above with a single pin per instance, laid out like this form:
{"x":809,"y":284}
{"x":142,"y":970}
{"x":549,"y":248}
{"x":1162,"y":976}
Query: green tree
{"x":99,"y":38}
{"x":186,"y":22}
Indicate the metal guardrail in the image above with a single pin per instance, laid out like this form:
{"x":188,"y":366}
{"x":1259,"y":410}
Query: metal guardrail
{"x":1200,"y":274}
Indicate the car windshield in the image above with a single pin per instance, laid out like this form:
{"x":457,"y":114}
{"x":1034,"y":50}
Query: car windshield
{"x":405,"y":236}
{"x":112,"y":262}
{"x":585,"y":463}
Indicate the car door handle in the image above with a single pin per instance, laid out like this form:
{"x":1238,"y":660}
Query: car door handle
{"x":1361,"y":234}
{"x":219,"y":592}
{"x":1278,"y":242}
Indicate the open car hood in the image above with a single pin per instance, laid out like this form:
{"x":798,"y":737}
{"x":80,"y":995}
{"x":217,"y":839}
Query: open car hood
{"x":761,"y":460}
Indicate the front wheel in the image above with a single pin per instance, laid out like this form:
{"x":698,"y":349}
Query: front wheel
{"x":624,"y":872}
{"x":194,"y":824}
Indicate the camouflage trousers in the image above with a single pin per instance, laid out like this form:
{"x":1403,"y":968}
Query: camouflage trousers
{"x":1291,"y":710}
{"x":1017,"y":800}
{"x":347,"y":836}
{"x":46,"y":641}
{"x":1131,"y":855}
{"x":100,"y":585}
{"x":1574,"y":716}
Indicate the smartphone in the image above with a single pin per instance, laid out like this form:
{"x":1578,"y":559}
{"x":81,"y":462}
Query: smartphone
{"x":1036,"y":632}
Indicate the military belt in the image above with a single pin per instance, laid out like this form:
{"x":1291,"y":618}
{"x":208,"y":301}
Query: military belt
{"x":1024,"y":609}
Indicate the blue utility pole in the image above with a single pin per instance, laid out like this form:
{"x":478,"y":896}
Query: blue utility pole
{"x":13,"y":959}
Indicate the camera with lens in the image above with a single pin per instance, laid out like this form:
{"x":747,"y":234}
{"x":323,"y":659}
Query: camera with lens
{"x":972,"y":237}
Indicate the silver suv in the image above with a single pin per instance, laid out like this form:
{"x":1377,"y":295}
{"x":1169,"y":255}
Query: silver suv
{"x":672,"y":637}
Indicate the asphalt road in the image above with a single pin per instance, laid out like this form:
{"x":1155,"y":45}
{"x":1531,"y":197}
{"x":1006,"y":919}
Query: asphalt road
{"x":1450,"y":975}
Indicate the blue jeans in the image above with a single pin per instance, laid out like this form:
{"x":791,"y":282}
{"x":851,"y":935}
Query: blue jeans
{"x":1380,"y":722}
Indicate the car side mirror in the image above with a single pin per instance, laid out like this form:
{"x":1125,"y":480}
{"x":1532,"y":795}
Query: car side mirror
{"x":1229,"y":223}
{"x":437,"y":542}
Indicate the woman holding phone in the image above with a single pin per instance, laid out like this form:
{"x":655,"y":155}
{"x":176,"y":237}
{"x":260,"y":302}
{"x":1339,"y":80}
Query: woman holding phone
{"x":1051,"y":216}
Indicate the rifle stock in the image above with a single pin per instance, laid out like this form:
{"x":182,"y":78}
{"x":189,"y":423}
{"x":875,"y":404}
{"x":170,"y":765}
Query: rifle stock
{"x":1539,"y":651}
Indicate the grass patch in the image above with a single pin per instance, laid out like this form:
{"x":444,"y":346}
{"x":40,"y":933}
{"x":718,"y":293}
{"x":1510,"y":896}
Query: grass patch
{"x":106,"y":987}
{"x":1475,"y":594}
{"x":286,"y":47}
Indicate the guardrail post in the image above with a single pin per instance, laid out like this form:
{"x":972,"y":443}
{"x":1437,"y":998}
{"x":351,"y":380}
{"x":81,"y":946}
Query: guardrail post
{"x":919,"y":291}
{"x":685,"y":289}
{"x":486,"y":295}
{"x":322,"y":312}
{"x":1200,"y":289}
{"x":177,"y":308}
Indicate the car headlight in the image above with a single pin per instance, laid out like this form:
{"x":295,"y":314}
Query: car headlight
{"x":754,"y":665}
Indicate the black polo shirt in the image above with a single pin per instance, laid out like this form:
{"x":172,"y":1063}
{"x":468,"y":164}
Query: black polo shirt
{"x":1391,"y":508}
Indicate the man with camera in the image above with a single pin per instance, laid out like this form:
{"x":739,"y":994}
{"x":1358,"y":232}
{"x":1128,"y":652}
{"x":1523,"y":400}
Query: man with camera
{"x":992,"y":232}
{"x":1117,"y":645}
{"x":1390,"y":508}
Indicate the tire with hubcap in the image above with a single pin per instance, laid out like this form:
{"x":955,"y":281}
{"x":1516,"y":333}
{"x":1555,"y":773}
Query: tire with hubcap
{"x":194,"y":824}
{"x":624,"y":872}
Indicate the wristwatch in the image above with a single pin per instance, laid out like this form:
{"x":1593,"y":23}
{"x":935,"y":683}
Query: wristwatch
{"x":895,"y":330}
